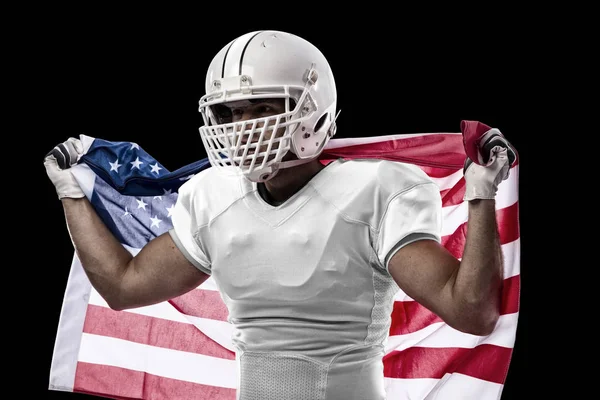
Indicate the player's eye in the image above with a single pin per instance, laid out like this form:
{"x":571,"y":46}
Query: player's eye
{"x":222,"y":113}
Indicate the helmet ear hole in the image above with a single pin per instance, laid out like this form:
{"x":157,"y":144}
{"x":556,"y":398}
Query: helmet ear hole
{"x":320,"y":122}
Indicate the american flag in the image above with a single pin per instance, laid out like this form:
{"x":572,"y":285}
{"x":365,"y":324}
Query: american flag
{"x":181,"y":349}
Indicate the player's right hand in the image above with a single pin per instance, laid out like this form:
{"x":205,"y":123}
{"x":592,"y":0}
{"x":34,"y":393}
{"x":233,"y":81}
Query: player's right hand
{"x":58,"y":164}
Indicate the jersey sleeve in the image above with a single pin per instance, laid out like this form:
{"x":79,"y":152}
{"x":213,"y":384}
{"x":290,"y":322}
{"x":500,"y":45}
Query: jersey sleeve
{"x":411,"y":214}
{"x":187,"y":218}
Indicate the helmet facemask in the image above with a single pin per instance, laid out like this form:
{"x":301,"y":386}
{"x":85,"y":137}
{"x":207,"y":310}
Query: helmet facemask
{"x":255,"y":147}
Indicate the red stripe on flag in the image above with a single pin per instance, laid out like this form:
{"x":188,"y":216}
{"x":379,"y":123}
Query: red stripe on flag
{"x":202,"y":303}
{"x":410,"y":316}
{"x":438,"y":172}
{"x":128,"y":384}
{"x":151,"y":331}
{"x":487,"y":362}
{"x":443,"y":150}
{"x":448,"y":149}
{"x":510,"y":295}
{"x":454,"y":196}
{"x":508,"y":223}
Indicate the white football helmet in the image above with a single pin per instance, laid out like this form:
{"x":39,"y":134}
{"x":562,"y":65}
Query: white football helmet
{"x":261,"y":65}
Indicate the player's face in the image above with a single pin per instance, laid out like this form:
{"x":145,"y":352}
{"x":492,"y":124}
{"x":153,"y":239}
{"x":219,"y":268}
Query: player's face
{"x":244,"y":110}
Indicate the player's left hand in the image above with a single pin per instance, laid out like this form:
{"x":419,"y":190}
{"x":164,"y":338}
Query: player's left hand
{"x":496,"y":156}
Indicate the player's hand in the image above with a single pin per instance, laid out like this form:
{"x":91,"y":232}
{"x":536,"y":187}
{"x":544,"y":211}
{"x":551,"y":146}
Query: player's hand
{"x":496,"y":157}
{"x":58,"y":164}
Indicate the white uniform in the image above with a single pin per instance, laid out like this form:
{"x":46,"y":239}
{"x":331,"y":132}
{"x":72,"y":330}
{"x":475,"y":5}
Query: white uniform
{"x":306,"y":283}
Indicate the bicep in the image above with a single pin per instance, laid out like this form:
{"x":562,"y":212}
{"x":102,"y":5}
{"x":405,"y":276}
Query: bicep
{"x":425,"y":270}
{"x":159,"y":272}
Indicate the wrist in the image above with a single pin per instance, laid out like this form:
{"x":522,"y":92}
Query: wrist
{"x":72,"y":200}
{"x":482,"y":203}
{"x":70,"y":193}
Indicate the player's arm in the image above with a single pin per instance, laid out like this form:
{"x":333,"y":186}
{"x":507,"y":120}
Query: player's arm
{"x":158,"y":272}
{"x":466,"y":294}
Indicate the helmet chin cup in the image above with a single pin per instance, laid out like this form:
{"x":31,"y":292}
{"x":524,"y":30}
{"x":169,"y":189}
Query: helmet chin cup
{"x":263,"y":174}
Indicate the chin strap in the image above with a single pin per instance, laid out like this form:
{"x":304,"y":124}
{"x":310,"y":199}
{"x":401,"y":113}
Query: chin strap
{"x":293,"y":163}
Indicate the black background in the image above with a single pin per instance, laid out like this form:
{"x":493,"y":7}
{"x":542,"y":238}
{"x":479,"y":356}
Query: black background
{"x":138,"y":77}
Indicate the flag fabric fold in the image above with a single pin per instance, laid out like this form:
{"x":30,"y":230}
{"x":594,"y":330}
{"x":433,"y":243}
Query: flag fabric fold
{"x":181,"y":349}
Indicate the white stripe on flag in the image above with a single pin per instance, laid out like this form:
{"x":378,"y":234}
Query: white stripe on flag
{"x":512,"y":258}
{"x":448,"y":182}
{"x":70,"y":327}
{"x":168,"y":363}
{"x":85,"y":177}
{"x":219,"y":331}
{"x":455,"y":386}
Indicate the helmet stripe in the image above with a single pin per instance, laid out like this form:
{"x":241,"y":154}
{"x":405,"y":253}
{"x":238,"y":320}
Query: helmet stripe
{"x":245,"y":47}
{"x":225,"y":58}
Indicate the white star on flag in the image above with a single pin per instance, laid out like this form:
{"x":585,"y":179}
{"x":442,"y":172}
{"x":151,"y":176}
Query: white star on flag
{"x":136,"y":163}
{"x":170,"y":210}
{"x":141,"y":203}
{"x":134,"y":146}
{"x":155,"y":221}
{"x":115,"y":166}
{"x":155,"y":168}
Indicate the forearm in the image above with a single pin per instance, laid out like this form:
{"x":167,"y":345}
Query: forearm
{"x":103,"y":258}
{"x":478,"y":282}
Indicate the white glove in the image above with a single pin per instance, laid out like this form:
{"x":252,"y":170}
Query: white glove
{"x":482,"y":180}
{"x":58,"y":164}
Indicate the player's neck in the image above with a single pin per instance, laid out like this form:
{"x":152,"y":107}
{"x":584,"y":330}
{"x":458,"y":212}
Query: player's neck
{"x":289,"y":181}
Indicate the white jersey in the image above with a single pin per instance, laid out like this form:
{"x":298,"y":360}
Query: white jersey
{"x":306,"y":283}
